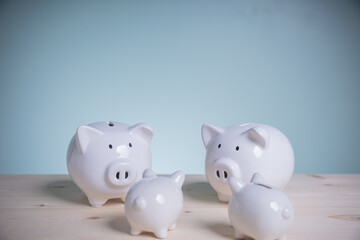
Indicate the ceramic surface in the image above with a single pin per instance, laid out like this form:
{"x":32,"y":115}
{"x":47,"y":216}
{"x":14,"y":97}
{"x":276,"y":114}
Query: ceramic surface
{"x":105,"y":158}
{"x":241,"y":150}
{"x":258,"y":210}
{"x":154,"y":203}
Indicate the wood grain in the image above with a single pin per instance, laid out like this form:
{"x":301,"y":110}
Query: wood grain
{"x":52,"y":207}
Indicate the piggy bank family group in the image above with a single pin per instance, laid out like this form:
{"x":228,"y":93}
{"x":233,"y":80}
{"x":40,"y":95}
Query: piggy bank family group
{"x":247,"y":165}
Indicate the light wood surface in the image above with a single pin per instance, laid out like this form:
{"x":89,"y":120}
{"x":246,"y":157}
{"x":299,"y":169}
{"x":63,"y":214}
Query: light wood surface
{"x":52,"y":207}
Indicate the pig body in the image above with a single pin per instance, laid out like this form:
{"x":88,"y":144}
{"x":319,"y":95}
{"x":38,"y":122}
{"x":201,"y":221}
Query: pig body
{"x":242,"y":150}
{"x":154,"y":203}
{"x":259,"y":211}
{"x":105,"y":158}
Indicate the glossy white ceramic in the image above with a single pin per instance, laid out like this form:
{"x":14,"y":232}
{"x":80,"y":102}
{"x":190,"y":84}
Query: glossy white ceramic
{"x":153,"y":204}
{"x":258,"y":210}
{"x":105,"y":158}
{"x":241,"y":150}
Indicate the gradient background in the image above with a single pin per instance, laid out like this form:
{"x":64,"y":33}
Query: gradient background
{"x":176,"y":65}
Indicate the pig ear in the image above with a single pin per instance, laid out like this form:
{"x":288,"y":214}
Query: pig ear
{"x":208,"y":132}
{"x":259,"y":135}
{"x":143,"y":131}
{"x":149,"y":173}
{"x":257,"y":178}
{"x":84,"y":134}
{"x":236,"y":184}
{"x":178,"y":178}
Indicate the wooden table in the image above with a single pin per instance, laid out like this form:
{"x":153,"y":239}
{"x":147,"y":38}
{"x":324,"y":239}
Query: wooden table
{"x":52,"y":207}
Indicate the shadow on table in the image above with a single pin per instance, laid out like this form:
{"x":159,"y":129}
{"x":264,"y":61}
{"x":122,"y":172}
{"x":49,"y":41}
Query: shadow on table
{"x":66,"y":190}
{"x":120,"y":223}
{"x":201,"y":191}
{"x":222,"y":229}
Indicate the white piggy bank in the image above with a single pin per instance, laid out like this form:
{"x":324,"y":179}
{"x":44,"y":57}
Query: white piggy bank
{"x":104,"y":159}
{"x":241,"y":150}
{"x":154,"y":203}
{"x":259,"y":211}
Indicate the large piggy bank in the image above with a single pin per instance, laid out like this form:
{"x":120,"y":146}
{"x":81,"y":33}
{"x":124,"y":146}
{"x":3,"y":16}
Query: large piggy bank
{"x":259,"y":211}
{"x":241,"y":150}
{"x":154,"y":203}
{"x":105,"y":158}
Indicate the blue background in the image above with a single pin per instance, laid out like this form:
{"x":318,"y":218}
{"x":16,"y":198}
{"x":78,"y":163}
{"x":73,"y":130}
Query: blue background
{"x":176,"y":65}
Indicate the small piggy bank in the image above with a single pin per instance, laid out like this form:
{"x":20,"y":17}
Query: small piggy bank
{"x":104,"y":159}
{"x":241,"y":150}
{"x":154,"y":203}
{"x":259,"y":211}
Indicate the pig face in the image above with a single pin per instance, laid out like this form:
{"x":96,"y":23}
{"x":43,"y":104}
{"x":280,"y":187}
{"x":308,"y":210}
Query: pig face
{"x":105,"y":159}
{"x":154,"y":203}
{"x":258,"y":210}
{"x":241,"y":150}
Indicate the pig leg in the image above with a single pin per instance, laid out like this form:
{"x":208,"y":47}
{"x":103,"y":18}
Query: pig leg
{"x":96,"y":202}
{"x":172,"y":226}
{"x":223,"y":197}
{"x":133,"y":231}
{"x":162,"y":233}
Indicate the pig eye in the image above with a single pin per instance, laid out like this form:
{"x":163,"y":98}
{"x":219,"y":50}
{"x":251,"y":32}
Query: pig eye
{"x":110,"y":146}
{"x":219,"y":146}
{"x":111,"y":124}
{"x":130,"y":145}
{"x":237,"y":148}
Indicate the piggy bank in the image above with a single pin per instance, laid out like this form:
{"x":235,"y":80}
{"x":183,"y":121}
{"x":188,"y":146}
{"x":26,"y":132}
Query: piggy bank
{"x":259,"y":211}
{"x":241,"y":150}
{"x":154,"y":203}
{"x":105,"y":158}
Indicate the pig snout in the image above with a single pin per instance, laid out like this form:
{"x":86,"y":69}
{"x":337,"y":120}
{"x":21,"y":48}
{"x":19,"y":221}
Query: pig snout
{"x":224,"y":168}
{"x":139,"y":204}
{"x":121,"y":173}
{"x":287,"y":212}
